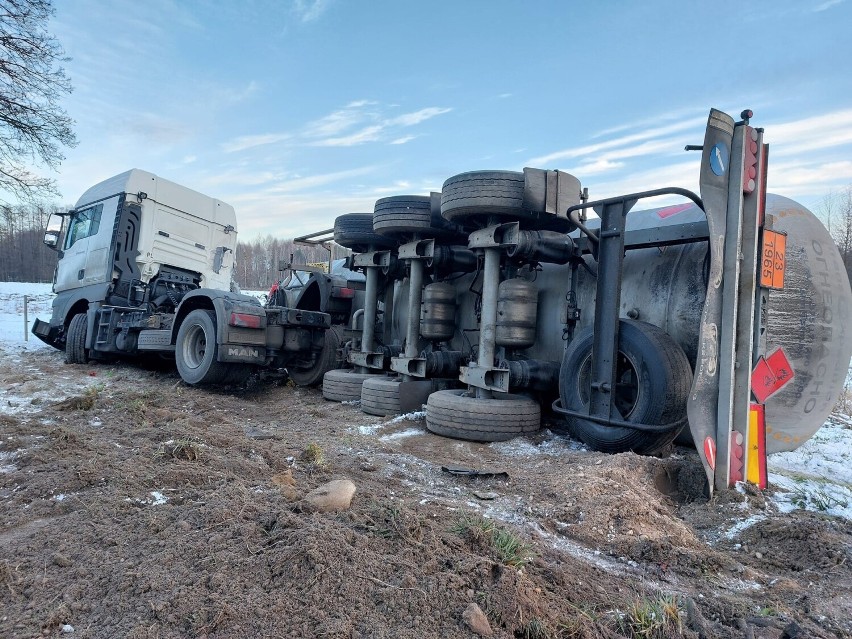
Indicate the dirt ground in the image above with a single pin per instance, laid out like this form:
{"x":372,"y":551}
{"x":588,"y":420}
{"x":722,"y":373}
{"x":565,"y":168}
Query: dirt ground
{"x":132,"y":505}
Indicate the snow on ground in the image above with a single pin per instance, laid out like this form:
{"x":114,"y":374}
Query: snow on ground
{"x":12,"y":328}
{"x":817,"y":476}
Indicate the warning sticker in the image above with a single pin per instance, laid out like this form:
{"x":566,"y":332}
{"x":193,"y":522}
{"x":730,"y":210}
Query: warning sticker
{"x":770,"y":374}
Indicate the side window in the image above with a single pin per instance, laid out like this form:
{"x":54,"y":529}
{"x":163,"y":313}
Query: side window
{"x":84,"y":223}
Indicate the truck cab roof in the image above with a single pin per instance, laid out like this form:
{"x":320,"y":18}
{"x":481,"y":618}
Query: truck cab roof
{"x":136,"y":181}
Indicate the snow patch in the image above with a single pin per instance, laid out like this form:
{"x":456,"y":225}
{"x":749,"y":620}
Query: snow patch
{"x":413,"y":416}
{"x":408,"y":432}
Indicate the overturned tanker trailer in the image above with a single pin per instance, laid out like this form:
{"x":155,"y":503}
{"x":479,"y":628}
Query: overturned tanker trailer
{"x":724,"y":319}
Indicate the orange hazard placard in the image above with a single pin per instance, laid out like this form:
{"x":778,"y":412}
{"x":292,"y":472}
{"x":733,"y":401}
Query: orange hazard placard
{"x":773,"y":259}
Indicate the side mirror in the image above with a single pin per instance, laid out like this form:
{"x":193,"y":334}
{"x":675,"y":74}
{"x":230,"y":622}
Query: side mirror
{"x":53,"y":231}
{"x":51,"y":239}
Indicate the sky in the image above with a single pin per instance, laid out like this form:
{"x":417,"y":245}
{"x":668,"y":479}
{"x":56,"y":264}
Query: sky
{"x":297,"y":111}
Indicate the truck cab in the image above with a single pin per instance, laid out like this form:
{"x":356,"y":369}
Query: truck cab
{"x":139,"y":257}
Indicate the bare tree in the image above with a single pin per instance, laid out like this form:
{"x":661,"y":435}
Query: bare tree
{"x":33,"y":125}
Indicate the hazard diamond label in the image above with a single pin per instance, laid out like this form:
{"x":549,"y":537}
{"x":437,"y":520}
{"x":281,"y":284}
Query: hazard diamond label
{"x":770,"y":374}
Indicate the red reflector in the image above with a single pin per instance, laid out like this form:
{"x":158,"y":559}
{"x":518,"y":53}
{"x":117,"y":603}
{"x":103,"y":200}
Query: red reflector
{"x":245,"y":320}
{"x":347,"y":293}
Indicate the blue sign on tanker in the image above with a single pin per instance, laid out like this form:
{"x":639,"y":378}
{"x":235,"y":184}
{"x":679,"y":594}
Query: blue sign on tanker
{"x":719,"y":159}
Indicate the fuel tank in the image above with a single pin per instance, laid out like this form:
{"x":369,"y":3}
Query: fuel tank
{"x":809,"y":319}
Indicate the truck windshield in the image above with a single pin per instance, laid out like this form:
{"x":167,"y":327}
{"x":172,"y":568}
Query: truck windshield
{"x":84,"y":223}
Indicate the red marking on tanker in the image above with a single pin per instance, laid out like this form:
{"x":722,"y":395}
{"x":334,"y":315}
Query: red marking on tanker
{"x":773,"y":259}
{"x":770,"y":374}
{"x":673,"y":210}
{"x":710,"y":452}
{"x":756,"y":453}
{"x":736,"y":460}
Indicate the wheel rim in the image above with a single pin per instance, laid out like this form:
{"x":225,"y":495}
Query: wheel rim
{"x":194,"y":346}
{"x":627,"y":389}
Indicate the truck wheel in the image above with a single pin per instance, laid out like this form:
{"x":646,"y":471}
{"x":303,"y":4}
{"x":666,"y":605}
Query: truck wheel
{"x":355,"y":231}
{"x":653,"y":378}
{"x":343,"y":385}
{"x":452,"y":413}
{"x":327,"y":360}
{"x":402,"y":216}
{"x":75,"y":340}
{"x":380,"y":396}
{"x":195,"y":351}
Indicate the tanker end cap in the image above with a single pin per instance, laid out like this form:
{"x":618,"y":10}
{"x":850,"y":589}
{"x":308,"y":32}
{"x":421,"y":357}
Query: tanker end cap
{"x":810,"y":320}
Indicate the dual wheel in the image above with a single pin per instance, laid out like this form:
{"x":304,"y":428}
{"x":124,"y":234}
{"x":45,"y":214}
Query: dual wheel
{"x":378,"y":394}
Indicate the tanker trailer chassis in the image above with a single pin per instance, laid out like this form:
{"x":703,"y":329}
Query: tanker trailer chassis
{"x":626,"y":384}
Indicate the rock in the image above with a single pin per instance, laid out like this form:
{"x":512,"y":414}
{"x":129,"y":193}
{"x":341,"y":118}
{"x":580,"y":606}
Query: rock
{"x":477,"y":621}
{"x":333,"y":496}
{"x":67,"y":629}
{"x":61,"y":560}
{"x":485,"y":496}
{"x":792,"y":631}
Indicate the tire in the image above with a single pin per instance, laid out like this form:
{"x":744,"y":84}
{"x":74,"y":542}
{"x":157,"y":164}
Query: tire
{"x":403,"y":216}
{"x":479,"y":193}
{"x":452,"y":413}
{"x":75,"y":340}
{"x":343,"y":385}
{"x":380,"y":396}
{"x":196,"y":350}
{"x":468,"y":199}
{"x":327,"y":360}
{"x":355,"y":231}
{"x":654,"y":378}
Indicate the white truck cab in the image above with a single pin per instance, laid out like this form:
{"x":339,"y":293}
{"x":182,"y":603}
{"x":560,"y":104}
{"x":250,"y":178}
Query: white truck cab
{"x":145,"y":265}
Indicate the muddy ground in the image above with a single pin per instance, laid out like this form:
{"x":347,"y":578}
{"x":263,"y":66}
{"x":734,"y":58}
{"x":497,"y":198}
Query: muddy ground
{"x":132,"y":505}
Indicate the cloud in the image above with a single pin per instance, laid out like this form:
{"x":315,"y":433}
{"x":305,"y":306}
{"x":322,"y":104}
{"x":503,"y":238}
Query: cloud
{"x":403,"y":140}
{"x":314,"y":181}
{"x":826,"y":5}
{"x":810,"y":134}
{"x":797,"y":179}
{"x":250,"y":141}
{"x":310,"y":10}
{"x":339,"y":121}
{"x":362,"y":121}
{"x":367,"y":134}
{"x":410,"y":119}
{"x":624,"y":141}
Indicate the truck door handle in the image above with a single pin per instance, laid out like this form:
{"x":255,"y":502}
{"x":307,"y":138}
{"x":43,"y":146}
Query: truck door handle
{"x":80,"y":273}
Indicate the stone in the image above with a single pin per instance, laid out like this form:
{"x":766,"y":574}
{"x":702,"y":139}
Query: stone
{"x":477,"y":621}
{"x":61,"y":560}
{"x":67,"y":629}
{"x":334,"y":496}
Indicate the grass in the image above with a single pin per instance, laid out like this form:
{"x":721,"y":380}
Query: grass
{"x":508,"y":547}
{"x":314,"y":456}
{"x":652,"y":618}
{"x":85,"y":401}
{"x":182,"y":448}
{"x":819,"y":499}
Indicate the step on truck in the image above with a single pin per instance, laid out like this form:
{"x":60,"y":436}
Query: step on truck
{"x":145,"y":269}
{"x":724,"y":319}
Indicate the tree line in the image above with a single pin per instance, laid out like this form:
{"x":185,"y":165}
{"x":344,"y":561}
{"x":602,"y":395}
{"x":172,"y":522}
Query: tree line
{"x":24,"y":258}
{"x":836,"y":213}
